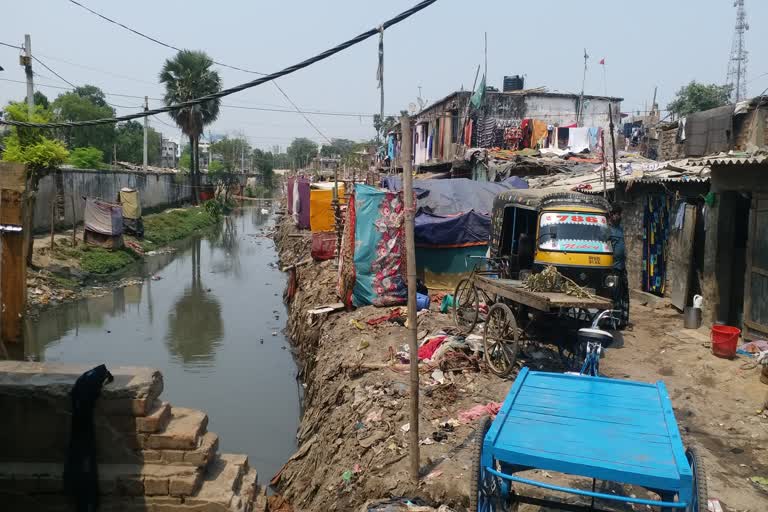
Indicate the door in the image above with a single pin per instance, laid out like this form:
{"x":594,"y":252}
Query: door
{"x":680,"y":252}
{"x":756,"y":282}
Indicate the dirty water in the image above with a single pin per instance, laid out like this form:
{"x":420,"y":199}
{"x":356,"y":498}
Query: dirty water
{"x":211,"y":319}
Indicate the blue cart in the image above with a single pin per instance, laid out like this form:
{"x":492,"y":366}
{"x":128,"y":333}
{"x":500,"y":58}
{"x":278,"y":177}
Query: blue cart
{"x":604,"y":429}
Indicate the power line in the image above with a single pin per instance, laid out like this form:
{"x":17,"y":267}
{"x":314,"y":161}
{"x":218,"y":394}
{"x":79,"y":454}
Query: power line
{"x":11,"y":46}
{"x":247,"y":85}
{"x":167,"y":45}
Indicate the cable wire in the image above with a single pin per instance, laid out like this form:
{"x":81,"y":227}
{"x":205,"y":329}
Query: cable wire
{"x":247,"y":85}
{"x":11,"y":46}
{"x":167,"y":45}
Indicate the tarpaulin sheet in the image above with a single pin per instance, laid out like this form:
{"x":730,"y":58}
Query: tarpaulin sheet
{"x":446,"y":197}
{"x":103,"y":217}
{"x":460,"y":230}
{"x":442,"y":269}
{"x":289,"y":194}
{"x":301,"y":203}
{"x":129,"y":200}
{"x":379,"y":248}
{"x":321,"y":215}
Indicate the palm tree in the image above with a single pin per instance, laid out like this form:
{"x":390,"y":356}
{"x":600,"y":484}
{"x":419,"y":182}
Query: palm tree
{"x":188,"y":76}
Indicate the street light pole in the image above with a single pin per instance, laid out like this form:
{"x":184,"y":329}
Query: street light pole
{"x":26,"y":61}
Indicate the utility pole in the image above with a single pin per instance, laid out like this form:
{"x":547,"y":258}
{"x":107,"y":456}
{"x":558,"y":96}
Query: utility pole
{"x":579,"y":116}
{"x":613,"y":148}
{"x":410,"y":254}
{"x":26,"y":61}
{"x":146,"y":130}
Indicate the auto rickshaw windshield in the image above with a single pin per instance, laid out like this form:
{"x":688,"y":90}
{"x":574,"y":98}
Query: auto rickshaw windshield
{"x":574,"y":232}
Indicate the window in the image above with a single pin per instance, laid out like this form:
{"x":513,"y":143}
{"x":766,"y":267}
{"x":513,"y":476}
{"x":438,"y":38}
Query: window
{"x":455,"y":126}
{"x":574,"y":231}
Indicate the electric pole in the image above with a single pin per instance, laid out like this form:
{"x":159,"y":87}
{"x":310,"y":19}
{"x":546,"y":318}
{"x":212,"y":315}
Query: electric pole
{"x":26,"y":61}
{"x":146,"y":133}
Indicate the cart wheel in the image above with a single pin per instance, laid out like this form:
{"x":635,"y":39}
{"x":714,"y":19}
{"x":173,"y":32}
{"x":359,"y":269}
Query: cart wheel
{"x":700,"y":493}
{"x":466,"y":306}
{"x":487,"y":492}
{"x":501,"y":339}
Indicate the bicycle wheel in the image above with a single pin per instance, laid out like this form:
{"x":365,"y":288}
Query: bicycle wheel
{"x":466,"y":306}
{"x":501,"y":340}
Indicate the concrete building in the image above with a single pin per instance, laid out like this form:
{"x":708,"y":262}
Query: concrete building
{"x":444,"y":129}
{"x":169,"y":151}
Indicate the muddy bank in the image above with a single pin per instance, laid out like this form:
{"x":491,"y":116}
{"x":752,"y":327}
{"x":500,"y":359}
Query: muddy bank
{"x":71,"y":270}
{"x":353,"y":440}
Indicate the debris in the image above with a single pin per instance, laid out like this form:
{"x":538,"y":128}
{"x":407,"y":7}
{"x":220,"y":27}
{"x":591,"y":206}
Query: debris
{"x":395,"y":313}
{"x":761,"y":482}
{"x":156,"y":277}
{"x":363,"y":345}
{"x":491,"y":409}
{"x":346,"y":476}
{"x":427,"y":441}
{"x":373,"y":439}
{"x":405,"y":427}
{"x":427,"y":350}
{"x":357,"y":324}
{"x":434,"y":474}
{"x":374,"y":416}
{"x":446,"y":304}
{"x":438,"y":376}
{"x":550,"y":280}
{"x":713,"y":505}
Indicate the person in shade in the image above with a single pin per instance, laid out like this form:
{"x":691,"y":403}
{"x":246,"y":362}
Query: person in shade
{"x":621,"y":290}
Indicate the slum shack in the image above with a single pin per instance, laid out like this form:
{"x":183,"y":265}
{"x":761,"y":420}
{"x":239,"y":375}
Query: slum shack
{"x":133,"y":224}
{"x":103,"y":222}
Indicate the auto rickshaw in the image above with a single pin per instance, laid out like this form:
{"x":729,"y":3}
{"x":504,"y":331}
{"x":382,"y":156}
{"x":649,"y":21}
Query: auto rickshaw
{"x":532,"y":229}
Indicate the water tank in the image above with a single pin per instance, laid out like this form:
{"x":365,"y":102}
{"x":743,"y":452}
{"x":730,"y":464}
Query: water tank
{"x":513,"y":83}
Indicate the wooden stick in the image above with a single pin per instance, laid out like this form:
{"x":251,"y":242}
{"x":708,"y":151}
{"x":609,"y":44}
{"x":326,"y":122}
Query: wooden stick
{"x":74,"y":221}
{"x":410,"y":253}
{"x":53,"y":214}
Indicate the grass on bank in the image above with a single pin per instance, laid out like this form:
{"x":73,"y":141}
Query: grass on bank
{"x":159,"y":229}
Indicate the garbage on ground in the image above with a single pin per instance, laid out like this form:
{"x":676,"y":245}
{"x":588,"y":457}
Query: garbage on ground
{"x":753,"y":347}
{"x":395,"y":313}
{"x":761,"y":482}
{"x":490,"y":409}
{"x":402,"y":505}
{"x":357,"y":324}
{"x":446,"y":304}
{"x":422,"y":301}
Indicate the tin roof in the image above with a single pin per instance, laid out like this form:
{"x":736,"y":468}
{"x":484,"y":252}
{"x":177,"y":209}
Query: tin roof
{"x":733,"y":159}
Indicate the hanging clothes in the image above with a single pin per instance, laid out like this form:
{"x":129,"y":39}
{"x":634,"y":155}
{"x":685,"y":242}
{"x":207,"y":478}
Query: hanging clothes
{"x":525,"y":133}
{"x":592,"y":134}
{"x":578,"y":139}
{"x":468,"y":133}
{"x":538,"y":133}
{"x":655,"y":234}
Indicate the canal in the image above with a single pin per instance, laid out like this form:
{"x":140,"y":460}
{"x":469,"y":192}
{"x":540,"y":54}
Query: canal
{"x":210,"y":317}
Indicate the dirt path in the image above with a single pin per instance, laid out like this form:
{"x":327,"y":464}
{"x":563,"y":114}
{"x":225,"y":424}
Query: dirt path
{"x":353,"y":440}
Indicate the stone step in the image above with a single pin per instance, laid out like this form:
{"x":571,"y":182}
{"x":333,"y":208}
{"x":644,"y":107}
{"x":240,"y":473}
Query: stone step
{"x":157,"y":418}
{"x":183,"y":431}
{"x":122,"y":480}
{"x":199,"y":457}
{"x":222,"y":484}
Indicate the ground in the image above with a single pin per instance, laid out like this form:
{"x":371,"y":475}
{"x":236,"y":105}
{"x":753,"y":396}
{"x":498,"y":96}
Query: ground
{"x":353,"y":440}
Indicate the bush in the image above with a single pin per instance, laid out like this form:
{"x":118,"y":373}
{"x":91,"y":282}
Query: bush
{"x":97,"y":260}
{"x":87,"y":158}
{"x":162,"y":228}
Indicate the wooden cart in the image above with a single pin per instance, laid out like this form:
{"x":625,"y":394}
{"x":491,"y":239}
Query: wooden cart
{"x":495,"y":300}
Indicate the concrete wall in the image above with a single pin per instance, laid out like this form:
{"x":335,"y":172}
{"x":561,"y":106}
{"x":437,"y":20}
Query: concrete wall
{"x":156,"y":190}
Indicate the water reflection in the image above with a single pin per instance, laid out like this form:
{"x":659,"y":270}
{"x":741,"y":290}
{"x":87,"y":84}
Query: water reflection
{"x":195,"y":327}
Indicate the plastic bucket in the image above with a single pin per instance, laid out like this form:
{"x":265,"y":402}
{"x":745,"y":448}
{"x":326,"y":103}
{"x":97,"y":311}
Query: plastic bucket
{"x":724,"y":340}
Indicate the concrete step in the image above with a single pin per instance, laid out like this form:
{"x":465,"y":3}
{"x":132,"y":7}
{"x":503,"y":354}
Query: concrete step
{"x":157,"y":418}
{"x":199,"y":457}
{"x":123,"y":480}
{"x":222,"y":484}
{"x":183,"y":431}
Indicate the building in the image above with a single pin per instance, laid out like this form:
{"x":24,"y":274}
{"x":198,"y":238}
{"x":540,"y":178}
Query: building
{"x":169,"y":151}
{"x":446,"y":128}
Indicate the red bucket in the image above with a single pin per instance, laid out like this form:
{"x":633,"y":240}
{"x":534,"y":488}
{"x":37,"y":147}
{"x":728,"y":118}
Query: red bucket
{"x":724,"y":339}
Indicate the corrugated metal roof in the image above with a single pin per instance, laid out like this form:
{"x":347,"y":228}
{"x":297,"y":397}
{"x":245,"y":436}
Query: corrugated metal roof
{"x":743,"y":159}
{"x":673,"y":171}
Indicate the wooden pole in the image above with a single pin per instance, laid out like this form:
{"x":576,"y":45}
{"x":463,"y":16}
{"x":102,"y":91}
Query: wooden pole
{"x":13,"y":265}
{"x":613,"y":149}
{"x":74,"y":221}
{"x":410,"y":252}
{"x":605,"y":163}
{"x":53,"y":222}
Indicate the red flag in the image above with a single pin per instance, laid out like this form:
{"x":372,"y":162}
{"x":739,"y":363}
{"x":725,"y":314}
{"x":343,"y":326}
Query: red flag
{"x":602,"y":61}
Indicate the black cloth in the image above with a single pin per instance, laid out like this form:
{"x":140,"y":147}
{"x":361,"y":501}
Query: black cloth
{"x":80,"y":470}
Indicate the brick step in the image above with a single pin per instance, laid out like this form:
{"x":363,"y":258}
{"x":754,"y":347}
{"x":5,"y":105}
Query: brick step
{"x":120,"y":480}
{"x":157,"y":418}
{"x":199,"y":457}
{"x":228,"y":484}
{"x":182,"y":432}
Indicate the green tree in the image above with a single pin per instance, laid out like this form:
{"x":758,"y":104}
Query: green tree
{"x":301,"y":152}
{"x":338,"y":148}
{"x":187,"y":76}
{"x":265,"y":165}
{"x":41,"y":100}
{"x":87,"y":158}
{"x":41,"y":154}
{"x":185,"y":160}
{"x":83,"y":104}
{"x":385,"y":126}
{"x":233,"y":151}
{"x":696,"y":97}
{"x":129,"y":140}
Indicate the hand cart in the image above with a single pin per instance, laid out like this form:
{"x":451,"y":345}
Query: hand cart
{"x":604,"y":429}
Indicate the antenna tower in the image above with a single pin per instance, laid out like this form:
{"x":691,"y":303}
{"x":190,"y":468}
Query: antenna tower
{"x":737,"y":64}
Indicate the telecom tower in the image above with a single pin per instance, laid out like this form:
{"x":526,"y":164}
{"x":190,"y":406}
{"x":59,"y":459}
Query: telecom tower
{"x":737,"y":64}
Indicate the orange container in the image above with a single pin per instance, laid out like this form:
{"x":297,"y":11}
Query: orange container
{"x":724,"y":340}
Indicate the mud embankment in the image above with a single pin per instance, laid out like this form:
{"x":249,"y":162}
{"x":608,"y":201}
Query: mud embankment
{"x":353,"y":437}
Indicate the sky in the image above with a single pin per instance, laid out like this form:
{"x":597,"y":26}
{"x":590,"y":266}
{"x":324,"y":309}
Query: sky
{"x":653,"y":43}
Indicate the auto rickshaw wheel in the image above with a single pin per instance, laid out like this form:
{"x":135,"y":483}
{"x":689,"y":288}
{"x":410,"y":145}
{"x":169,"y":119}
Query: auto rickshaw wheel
{"x":501,"y":339}
{"x":466,"y":306}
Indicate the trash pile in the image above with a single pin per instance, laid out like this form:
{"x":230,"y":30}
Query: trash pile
{"x":402,"y":505}
{"x":43,"y":290}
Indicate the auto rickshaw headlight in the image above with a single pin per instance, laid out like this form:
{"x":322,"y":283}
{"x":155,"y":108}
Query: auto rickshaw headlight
{"x":610,"y":281}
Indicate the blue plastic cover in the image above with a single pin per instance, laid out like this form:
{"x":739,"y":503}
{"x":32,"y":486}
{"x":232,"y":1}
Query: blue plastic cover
{"x":470,"y":228}
{"x":447,"y":197}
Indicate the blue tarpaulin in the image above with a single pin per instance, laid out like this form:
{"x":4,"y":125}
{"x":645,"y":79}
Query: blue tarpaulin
{"x":461,"y":230}
{"x":515,"y":182}
{"x":447,"y":197}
